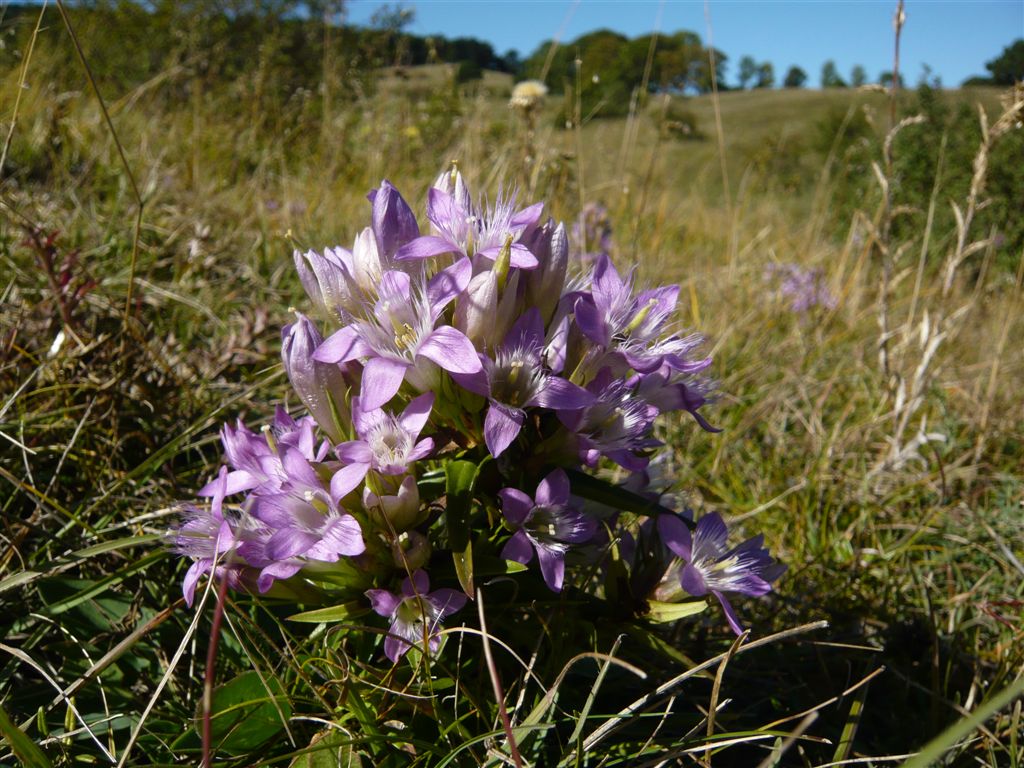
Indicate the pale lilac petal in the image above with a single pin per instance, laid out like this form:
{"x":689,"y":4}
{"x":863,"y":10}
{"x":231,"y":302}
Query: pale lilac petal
{"x":382,"y":378}
{"x":561,"y":394}
{"x":730,"y":614}
{"x":275,"y":571}
{"x":515,"y":505}
{"x":426,"y":247}
{"x":236,"y":482}
{"x":553,"y":489}
{"x":417,"y":584}
{"x":290,"y":542}
{"x":501,"y":426}
{"x":448,"y":283}
{"x":552,"y":567}
{"x":364,"y":419}
{"x":592,"y":322}
{"x":421,"y":449}
{"x":477,"y":383}
{"x":384,"y":603}
{"x":341,"y":536}
{"x":676,"y":535}
{"x":354,"y":452}
{"x":606,"y":284}
{"x":394,"y":223}
{"x":347,"y":479}
{"x":192,"y":576}
{"x":451,"y":350}
{"x":527,"y":331}
{"x":416,"y":414}
{"x":518,"y":548}
{"x":711,"y":532}
{"x":528,"y":216}
{"x":342,"y":346}
{"x":519,"y":256}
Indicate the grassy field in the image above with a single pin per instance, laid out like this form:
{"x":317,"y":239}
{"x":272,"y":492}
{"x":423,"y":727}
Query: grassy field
{"x":878,"y":444}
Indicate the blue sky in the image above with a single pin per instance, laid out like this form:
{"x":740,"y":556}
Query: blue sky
{"x":954,"y":37}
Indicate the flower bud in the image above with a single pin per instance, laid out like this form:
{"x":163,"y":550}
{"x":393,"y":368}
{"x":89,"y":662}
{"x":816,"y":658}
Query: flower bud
{"x":394,"y":223}
{"x":320,"y":386}
{"x":545,"y":284}
{"x":400,"y":512}
{"x":475,"y":312}
{"x":326,"y":277}
{"x":411,"y":550}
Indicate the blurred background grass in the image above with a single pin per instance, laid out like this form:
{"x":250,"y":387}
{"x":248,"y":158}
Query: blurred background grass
{"x":890,"y":484}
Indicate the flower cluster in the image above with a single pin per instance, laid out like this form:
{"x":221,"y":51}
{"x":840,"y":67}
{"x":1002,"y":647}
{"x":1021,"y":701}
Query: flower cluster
{"x":804,"y":288}
{"x":592,"y":233}
{"x":470,"y":339}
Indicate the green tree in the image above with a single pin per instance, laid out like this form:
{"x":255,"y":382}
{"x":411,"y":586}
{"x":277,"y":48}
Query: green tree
{"x":1008,"y":67}
{"x":748,"y":71}
{"x":795,"y":78}
{"x":830,"y":77}
{"x":858,"y":76}
{"x":765,"y":75}
{"x":885,"y":79}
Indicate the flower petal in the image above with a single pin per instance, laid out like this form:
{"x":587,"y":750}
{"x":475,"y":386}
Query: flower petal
{"x":552,"y":567}
{"x":676,"y":535}
{"x":451,"y":350}
{"x":425,"y":247}
{"x":382,"y":378}
{"x":559,"y":394}
{"x":342,"y":346}
{"x":515,"y":505}
{"x":347,"y":479}
{"x":518,"y":548}
{"x":384,"y":603}
{"x":416,"y":413}
{"x":553,"y":489}
{"x":501,"y":426}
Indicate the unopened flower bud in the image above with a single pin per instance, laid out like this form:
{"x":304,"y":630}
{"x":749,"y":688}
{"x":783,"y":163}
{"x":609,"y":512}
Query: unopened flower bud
{"x":400,"y":512}
{"x":545,"y":284}
{"x":320,"y":386}
{"x":411,"y":550}
{"x":474,"y":314}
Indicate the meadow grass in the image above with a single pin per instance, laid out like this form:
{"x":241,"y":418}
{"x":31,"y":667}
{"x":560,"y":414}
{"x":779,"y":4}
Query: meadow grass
{"x":889,"y":483}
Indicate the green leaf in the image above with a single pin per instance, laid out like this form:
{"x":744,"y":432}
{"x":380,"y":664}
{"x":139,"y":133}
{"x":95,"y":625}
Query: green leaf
{"x":615,"y":496}
{"x":460,"y":477}
{"x":342,"y":612}
{"x":246,"y":712}
{"x":23,"y":747}
{"x":666,"y":612}
{"x":329,"y":749}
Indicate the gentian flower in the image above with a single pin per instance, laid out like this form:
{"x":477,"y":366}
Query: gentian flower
{"x":399,"y":340}
{"x":517,"y":379}
{"x":546,"y":525}
{"x":386,"y":444}
{"x":617,"y":424}
{"x":461,"y":230}
{"x":635,"y":327}
{"x":255,"y":456}
{"x":746,"y":569}
{"x":416,"y":613}
{"x":209,"y":538}
{"x":307,"y":521}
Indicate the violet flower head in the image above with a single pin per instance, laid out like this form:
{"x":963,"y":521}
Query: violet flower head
{"x":711,"y":568}
{"x":545,"y":525}
{"x":416,"y":613}
{"x":805,"y":288}
{"x":592,"y":233}
{"x":387,"y":444}
{"x":462,"y":230}
{"x":217,"y":544}
{"x":517,"y":379}
{"x":398,"y":339}
{"x":307,"y":522}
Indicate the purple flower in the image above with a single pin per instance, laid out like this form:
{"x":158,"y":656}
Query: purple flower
{"x":460,"y":229}
{"x":398,"y":338}
{"x":805,"y":288}
{"x":635,"y":328}
{"x":209,"y":538}
{"x":592,"y":233}
{"x":394,"y":223}
{"x":617,"y":424}
{"x":415,"y":613}
{"x":307,"y":521}
{"x":255,"y":456}
{"x":386,"y":444}
{"x":546,"y":525}
{"x":320,"y":386}
{"x":746,"y":569}
{"x":517,"y":379}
